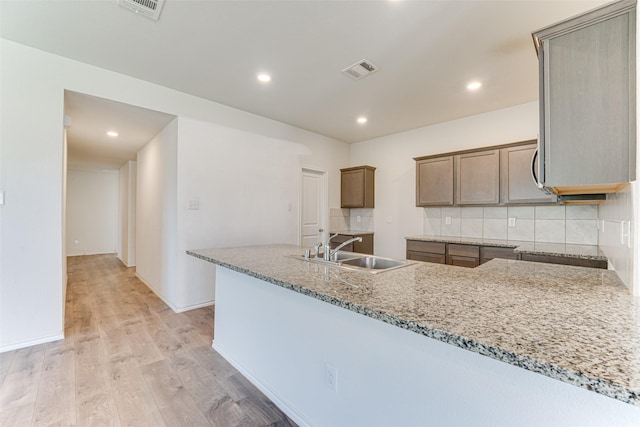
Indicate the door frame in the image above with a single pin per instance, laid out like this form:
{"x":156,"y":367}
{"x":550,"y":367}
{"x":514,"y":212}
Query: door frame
{"x":324,"y":211}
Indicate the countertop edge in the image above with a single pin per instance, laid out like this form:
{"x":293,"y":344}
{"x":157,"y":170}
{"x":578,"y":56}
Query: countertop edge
{"x":569,"y":376}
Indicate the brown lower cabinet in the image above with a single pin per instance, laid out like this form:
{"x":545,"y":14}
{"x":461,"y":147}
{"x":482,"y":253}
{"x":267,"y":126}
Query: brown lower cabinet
{"x":473,"y":255}
{"x":593,"y":263}
{"x":463,"y":255}
{"x":435,"y":252}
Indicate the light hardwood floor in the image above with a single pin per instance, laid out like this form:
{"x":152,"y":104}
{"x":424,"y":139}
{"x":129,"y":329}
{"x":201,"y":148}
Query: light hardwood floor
{"x":127,"y":360}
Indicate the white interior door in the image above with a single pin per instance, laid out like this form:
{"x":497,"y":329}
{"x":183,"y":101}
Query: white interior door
{"x":314,"y":208}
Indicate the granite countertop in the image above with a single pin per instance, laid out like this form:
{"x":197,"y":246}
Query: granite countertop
{"x":351,"y":232}
{"x":533,"y":248}
{"x":575,"y":324}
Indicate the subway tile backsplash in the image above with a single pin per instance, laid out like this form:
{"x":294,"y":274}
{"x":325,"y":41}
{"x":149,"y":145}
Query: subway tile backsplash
{"x":572,"y":224}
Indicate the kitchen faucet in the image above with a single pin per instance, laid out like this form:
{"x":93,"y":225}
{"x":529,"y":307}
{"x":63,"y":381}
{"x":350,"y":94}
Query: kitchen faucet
{"x":328,"y":253}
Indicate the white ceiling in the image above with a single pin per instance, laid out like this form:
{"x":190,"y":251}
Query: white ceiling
{"x":426,"y":51}
{"x":89,"y":146}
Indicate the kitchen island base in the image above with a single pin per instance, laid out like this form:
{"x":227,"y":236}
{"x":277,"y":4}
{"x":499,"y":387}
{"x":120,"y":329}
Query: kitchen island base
{"x":286,"y":343}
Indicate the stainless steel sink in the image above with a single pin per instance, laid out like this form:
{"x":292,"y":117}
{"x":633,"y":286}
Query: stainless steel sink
{"x":359,"y":262}
{"x":374,"y":263}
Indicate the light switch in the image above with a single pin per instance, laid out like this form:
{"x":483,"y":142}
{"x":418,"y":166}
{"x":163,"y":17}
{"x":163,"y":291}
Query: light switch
{"x":194,"y":204}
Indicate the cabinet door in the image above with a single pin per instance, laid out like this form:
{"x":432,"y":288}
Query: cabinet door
{"x":589,"y":104}
{"x":352,"y":189}
{"x":478,"y":178}
{"x":357,"y":187}
{"x":517,"y":185}
{"x":434,"y":181}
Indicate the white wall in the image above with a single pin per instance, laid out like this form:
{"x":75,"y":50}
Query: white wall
{"x":31,"y":173}
{"x":127,"y":214}
{"x":396,"y":215}
{"x":244,"y":184}
{"x":92,"y":211}
{"x":156,"y":213}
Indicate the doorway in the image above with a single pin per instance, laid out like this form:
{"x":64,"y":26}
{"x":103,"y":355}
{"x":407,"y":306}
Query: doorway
{"x":313,"y":212}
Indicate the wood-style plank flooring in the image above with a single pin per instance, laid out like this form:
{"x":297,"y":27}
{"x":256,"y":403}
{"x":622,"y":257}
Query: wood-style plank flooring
{"x":127,"y":360}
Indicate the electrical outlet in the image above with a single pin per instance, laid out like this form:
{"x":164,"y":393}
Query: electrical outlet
{"x":358,"y":218}
{"x":331,"y":377}
{"x":512,"y":222}
{"x":447,"y":220}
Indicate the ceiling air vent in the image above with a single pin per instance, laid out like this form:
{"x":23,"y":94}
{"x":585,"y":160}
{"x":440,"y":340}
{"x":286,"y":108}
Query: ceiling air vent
{"x":360,"y":69}
{"x":149,"y":8}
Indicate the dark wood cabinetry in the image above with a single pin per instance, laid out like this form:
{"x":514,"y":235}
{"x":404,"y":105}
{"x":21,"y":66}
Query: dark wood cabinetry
{"x":498,"y":175}
{"x":468,"y":255}
{"x":565,"y":260}
{"x":357,"y":187}
{"x":478,"y":178}
{"x":364,"y":247}
{"x":463,"y":255}
{"x":427,"y":251}
{"x":517,"y":186}
{"x":434,"y":181}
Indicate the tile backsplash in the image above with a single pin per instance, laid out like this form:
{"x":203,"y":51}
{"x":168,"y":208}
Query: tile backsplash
{"x":351,"y":219}
{"x":571,"y":224}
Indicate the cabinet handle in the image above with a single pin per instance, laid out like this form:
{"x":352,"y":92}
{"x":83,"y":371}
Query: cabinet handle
{"x":534,"y":176}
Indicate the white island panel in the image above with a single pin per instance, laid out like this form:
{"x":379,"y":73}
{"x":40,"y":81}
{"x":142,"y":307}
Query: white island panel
{"x":386,"y":376}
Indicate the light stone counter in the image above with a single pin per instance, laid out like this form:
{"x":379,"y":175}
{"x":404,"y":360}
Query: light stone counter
{"x":592,"y":252}
{"x":578,"y":325}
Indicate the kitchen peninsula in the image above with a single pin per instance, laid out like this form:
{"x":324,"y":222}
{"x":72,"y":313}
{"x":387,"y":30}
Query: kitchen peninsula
{"x":507,"y":343}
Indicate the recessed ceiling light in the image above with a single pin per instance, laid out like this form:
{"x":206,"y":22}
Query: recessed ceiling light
{"x":264,"y":77}
{"x":362,"y":120}
{"x":475,"y":85}
{"x":112,"y":133}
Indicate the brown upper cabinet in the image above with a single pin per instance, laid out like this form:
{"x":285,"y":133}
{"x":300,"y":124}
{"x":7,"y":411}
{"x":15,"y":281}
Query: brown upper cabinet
{"x":478,"y":178}
{"x":434,"y":181}
{"x":517,"y":182}
{"x":497,"y":175}
{"x":587,"y":72}
{"x":357,"y":187}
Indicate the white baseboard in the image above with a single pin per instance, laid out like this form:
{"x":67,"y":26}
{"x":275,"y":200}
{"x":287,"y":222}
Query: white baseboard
{"x":171,"y":306}
{"x":264,"y":389}
{"x":30,"y":343}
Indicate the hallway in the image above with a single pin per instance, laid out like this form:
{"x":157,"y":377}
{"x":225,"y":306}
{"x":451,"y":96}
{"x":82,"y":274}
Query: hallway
{"x":127,"y":360}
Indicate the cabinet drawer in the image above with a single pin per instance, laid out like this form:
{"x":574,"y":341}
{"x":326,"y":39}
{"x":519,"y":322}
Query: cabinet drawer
{"x":463,"y":261}
{"x":420,"y":246}
{"x":489,"y":252}
{"x":427,"y":257}
{"x":469,"y":251}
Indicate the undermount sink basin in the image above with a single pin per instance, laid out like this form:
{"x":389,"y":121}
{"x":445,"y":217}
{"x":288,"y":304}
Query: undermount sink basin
{"x":359,"y":262}
{"x":374,"y":263}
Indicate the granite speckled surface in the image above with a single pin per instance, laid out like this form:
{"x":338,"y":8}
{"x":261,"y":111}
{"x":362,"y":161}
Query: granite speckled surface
{"x":534,"y":248}
{"x":575,"y":324}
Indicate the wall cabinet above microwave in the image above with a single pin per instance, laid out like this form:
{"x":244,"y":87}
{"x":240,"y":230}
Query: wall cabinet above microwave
{"x":587,"y":101}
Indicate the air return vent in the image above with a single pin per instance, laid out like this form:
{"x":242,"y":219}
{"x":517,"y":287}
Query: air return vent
{"x":149,"y":8}
{"x":360,"y":69}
